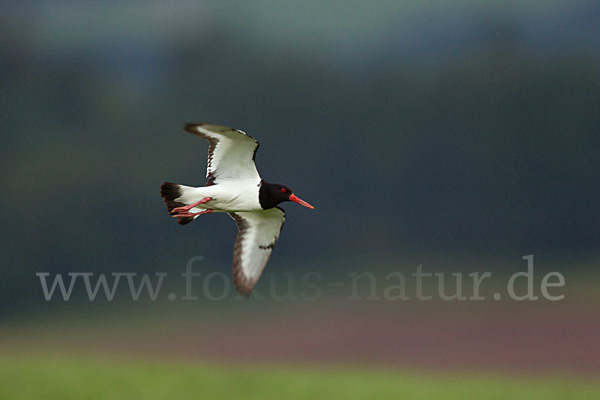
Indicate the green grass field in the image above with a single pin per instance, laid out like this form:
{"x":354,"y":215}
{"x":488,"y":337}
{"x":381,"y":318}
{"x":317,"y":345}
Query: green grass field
{"x":92,"y":378}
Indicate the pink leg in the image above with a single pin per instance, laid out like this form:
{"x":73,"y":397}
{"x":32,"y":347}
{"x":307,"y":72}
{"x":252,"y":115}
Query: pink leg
{"x":188,"y":208}
{"x":187,"y":214}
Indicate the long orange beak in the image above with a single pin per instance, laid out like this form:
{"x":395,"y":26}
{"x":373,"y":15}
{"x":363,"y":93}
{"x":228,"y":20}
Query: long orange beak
{"x":298,"y":200}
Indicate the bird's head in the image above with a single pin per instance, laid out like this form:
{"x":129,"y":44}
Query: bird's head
{"x":271,"y":194}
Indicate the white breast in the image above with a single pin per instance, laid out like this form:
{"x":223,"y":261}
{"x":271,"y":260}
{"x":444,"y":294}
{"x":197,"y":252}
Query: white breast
{"x":238,"y":195}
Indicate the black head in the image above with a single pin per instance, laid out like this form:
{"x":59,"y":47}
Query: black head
{"x":271,"y":194}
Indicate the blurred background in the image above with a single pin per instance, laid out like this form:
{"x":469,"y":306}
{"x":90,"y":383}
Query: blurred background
{"x":460,"y":135}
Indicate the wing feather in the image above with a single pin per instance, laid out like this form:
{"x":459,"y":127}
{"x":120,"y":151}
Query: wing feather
{"x":257,"y":233}
{"x":231,"y":152}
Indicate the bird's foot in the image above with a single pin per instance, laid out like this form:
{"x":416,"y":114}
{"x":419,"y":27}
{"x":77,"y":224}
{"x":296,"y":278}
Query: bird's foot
{"x":189,"y":214}
{"x":185,"y":209}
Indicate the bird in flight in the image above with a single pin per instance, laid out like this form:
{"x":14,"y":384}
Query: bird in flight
{"x":234,"y":186}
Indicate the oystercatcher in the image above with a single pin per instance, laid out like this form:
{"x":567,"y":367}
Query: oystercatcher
{"x":234,"y":187}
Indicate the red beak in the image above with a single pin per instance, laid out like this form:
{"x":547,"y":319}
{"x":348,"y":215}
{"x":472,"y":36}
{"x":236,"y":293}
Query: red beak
{"x":298,"y":200}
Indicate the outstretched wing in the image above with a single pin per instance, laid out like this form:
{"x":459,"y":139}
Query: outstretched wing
{"x":257,"y":233}
{"x":230,"y":152}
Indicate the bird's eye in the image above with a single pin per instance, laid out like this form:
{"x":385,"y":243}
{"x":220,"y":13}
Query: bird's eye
{"x":282,"y":190}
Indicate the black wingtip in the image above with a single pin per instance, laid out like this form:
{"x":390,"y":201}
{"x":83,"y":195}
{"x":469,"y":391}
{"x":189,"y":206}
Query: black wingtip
{"x":191,"y":126}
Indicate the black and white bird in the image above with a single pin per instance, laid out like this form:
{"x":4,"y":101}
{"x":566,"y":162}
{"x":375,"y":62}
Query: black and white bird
{"x":234,"y":187}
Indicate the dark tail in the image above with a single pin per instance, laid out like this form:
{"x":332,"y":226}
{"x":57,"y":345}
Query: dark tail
{"x":169,"y":192}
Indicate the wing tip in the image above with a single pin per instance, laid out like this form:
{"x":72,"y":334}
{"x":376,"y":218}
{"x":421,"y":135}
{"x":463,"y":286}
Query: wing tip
{"x":242,"y":289}
{"x":242,"y":284}
{"x":191,"y":127}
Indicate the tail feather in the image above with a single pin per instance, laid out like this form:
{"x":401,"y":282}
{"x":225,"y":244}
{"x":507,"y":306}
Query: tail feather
{"x":170,"y":192}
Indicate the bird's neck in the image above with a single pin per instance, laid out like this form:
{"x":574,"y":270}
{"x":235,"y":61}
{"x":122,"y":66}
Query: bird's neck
{"x":266,"y":196}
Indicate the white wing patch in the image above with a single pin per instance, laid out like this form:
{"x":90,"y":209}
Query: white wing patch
{"x":257,"y":233}
{"x":230,"y":154}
